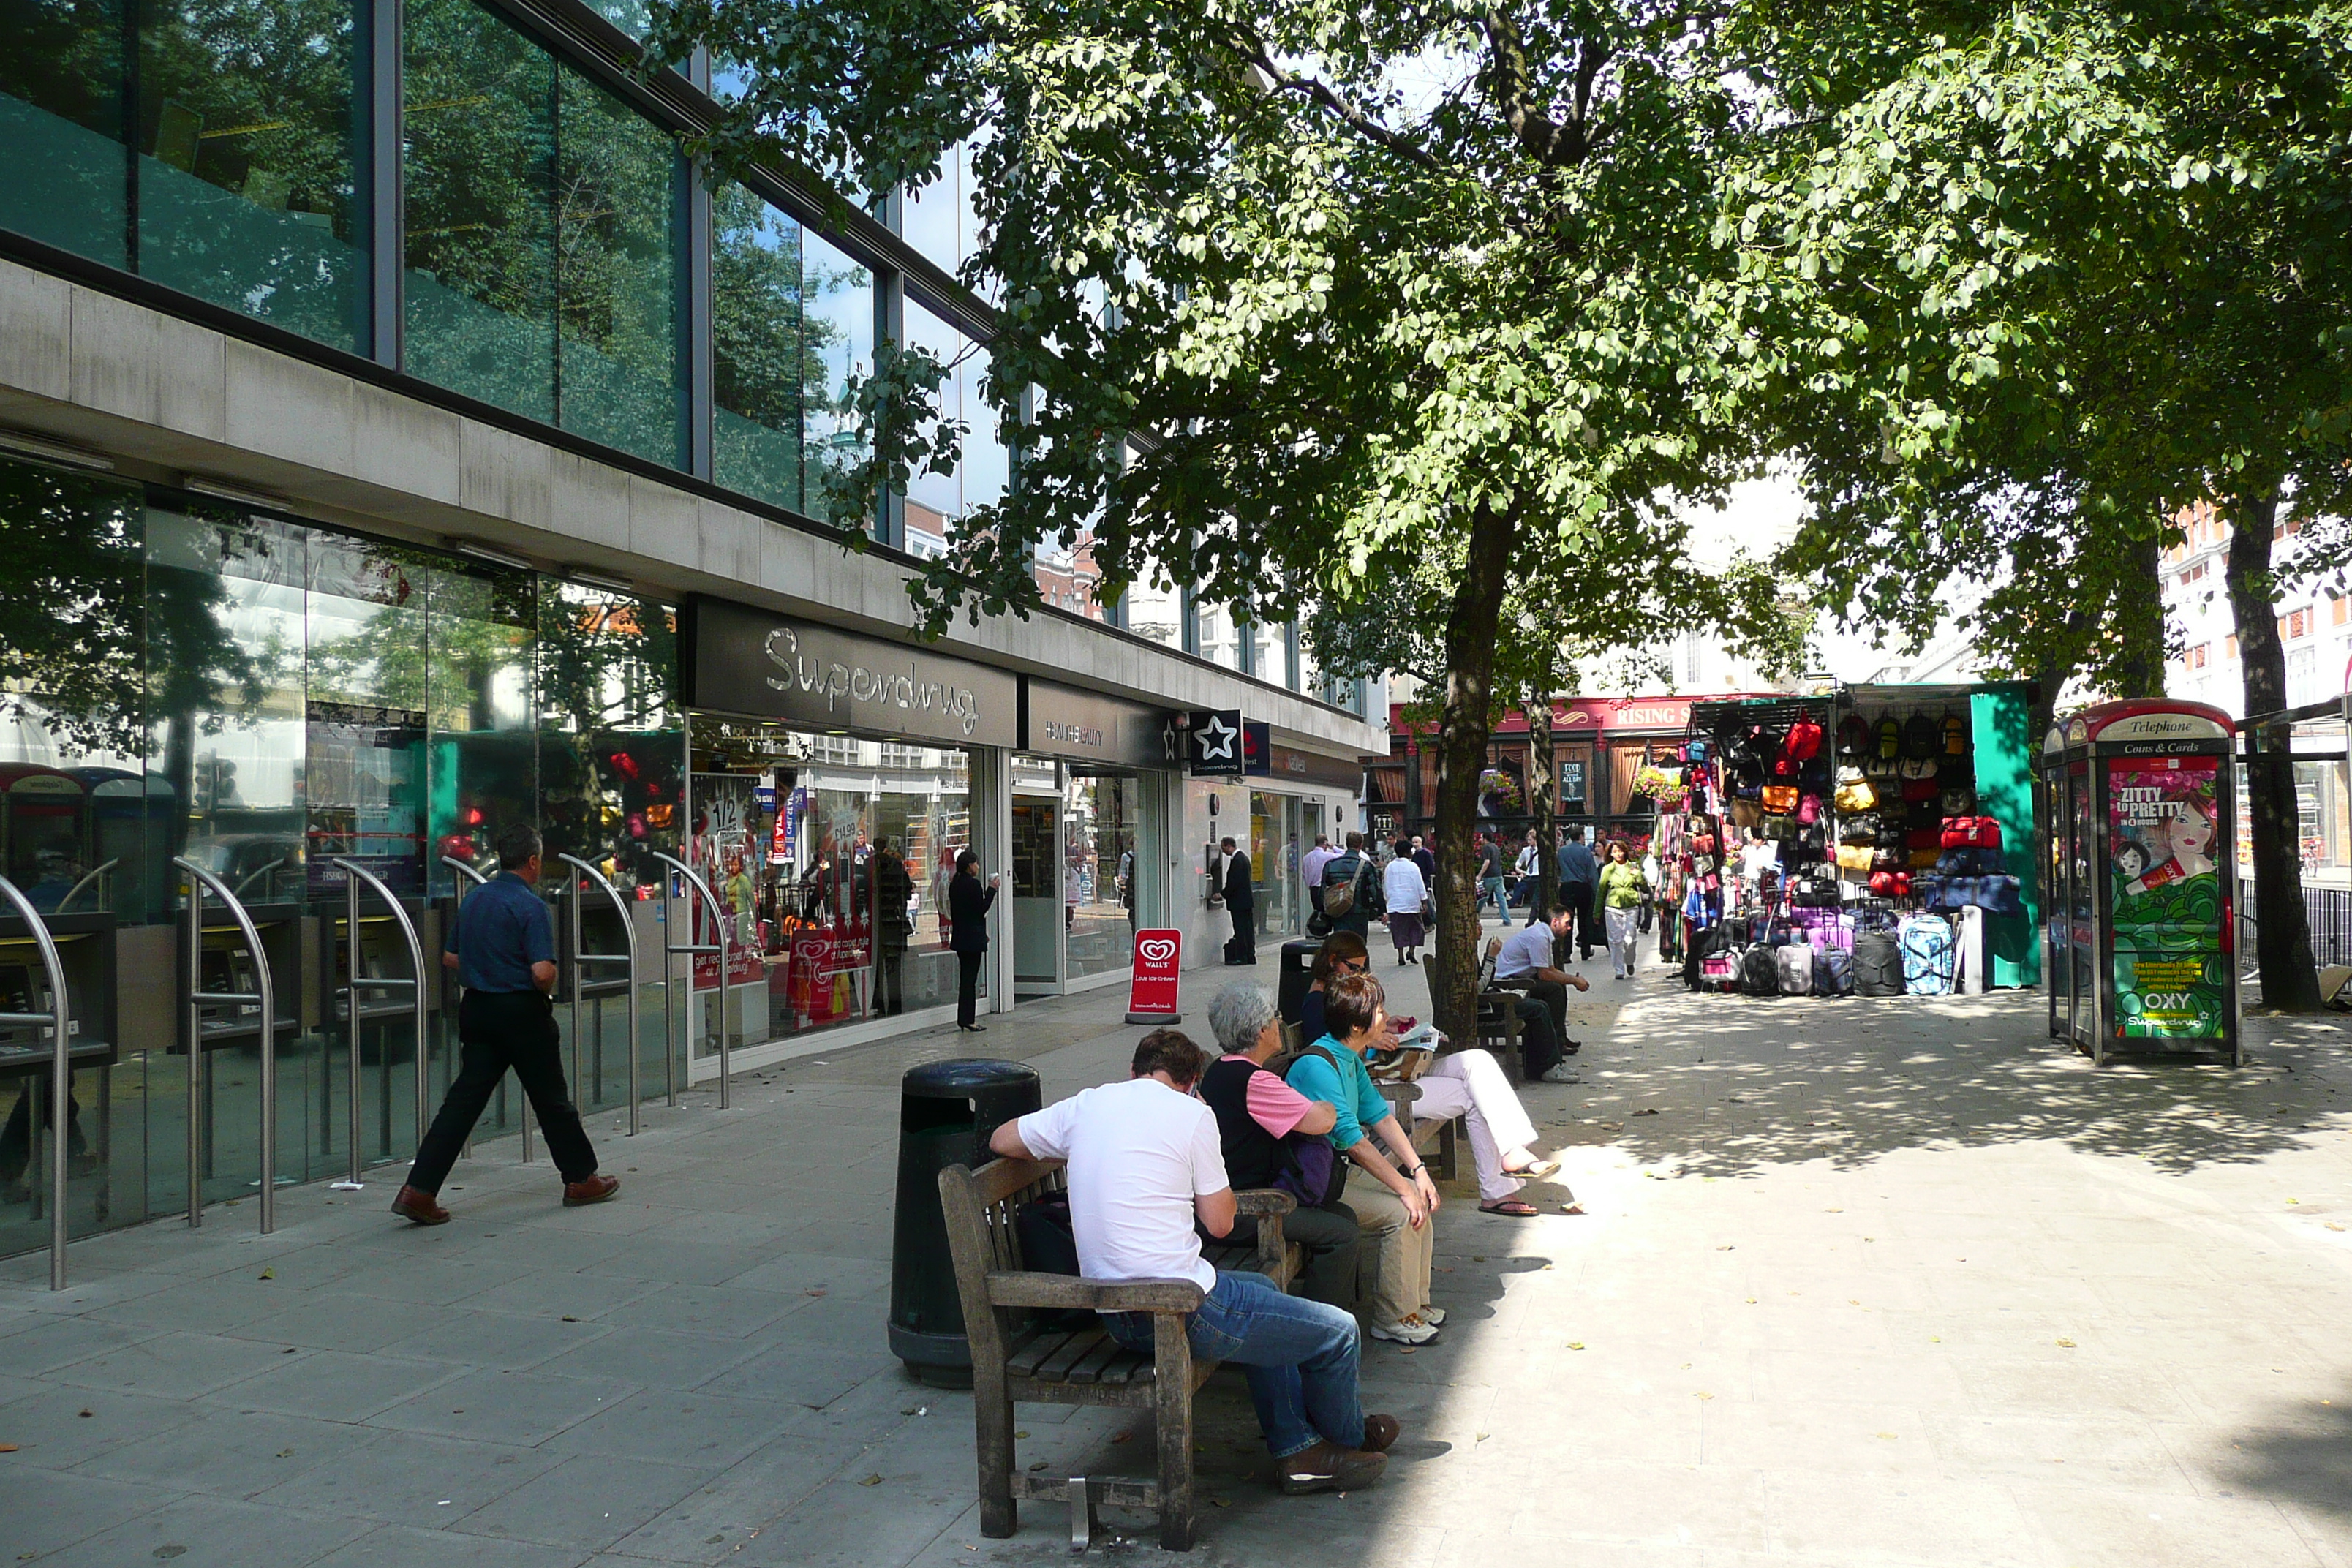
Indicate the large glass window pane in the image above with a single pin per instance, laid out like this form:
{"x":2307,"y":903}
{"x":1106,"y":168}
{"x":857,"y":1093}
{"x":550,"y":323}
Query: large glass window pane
{"x":984,"y":467}
{"x":760,"y":369}
{"x":1220,"y":636}
{"x":1102,"y":819}
{"x":370,"y":670}
{"x":249,"y":187}
{"x":241,"y":116}
{"x":1155,"y":611}
{"x":62,"y":83}
{"x":542,"y":267}
{"x":837,"y":319}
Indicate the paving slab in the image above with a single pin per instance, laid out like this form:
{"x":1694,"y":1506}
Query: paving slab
{"x":1888,"y":1282}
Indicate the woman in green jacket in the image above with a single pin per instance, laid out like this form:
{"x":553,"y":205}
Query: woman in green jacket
{"x":1620,"y":890}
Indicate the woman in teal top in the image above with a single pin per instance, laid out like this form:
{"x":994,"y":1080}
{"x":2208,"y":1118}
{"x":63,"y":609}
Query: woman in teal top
{"x":1402,"y":1214}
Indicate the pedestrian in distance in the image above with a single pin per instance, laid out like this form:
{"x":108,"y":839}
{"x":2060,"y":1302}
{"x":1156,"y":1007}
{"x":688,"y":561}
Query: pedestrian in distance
{"x":1622,"y":890}
{"x":968,"y":907}
{"x":1405,"y":891}
{"x":1577,"y":874}
{"x":1491,"y":884}
{"x":1241,"y":902}
{"x":503,"y":945}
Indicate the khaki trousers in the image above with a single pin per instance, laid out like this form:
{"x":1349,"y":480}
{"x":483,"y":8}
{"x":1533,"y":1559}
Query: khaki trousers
{"x":1403,"y":1287}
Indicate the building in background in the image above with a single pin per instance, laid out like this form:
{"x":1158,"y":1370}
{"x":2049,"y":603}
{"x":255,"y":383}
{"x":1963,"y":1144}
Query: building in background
{"x":400,"y":439}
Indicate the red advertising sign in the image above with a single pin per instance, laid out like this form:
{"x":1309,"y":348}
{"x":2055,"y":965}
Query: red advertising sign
{"x":1151,"y":994}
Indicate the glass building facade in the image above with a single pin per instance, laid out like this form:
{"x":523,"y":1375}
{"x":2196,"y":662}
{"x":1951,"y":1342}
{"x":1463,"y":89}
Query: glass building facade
{"x":266,"y":698}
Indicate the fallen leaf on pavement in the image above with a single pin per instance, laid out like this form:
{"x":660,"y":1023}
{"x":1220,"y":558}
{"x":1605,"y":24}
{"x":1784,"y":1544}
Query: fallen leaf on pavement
{"x":2067,"y":1344}
{"x":871,"y":1482}
{"x":269,"y":1274}
{"x":1576,"y":1344}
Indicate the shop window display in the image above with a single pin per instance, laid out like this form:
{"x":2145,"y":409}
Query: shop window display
{"x":831,"y":857}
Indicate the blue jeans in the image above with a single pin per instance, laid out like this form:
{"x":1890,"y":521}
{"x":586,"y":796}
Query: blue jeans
{"x":1300,"y":1357}
{"x":1495,"y":888}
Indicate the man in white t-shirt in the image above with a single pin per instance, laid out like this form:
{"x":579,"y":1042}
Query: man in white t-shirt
{"x":1525,"y":965}
{"x":1145,"y":1162}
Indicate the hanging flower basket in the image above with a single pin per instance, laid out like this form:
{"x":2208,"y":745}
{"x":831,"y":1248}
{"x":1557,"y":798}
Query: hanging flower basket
{"x":1666,"y":789}
{"x":1500,"y":790}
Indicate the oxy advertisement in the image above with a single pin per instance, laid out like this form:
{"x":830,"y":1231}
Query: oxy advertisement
{"x":2172,"y":979}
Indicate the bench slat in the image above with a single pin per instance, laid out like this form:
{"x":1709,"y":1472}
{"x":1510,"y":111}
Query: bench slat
{"x":1056,"y":1368}
{"x":1026,"y":1355}
{"x":1090,"y":1367}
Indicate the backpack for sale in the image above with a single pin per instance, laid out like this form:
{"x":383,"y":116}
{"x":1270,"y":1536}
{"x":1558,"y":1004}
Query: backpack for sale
{"x":1927,"y":955}
{"x":1923,"y":737}
{"x":1795,"y":965}
{"x":1759,"y":972}
{"x":1956,"y":801}
{"x":1881,"y":770}
{"x":1805,"y":742}
{"x":1877,"y":964}
{"x":1853,"y":735}
{"x":1832,"y":973}
{"x":1890,"y":738}
{"x":1956,"y":736}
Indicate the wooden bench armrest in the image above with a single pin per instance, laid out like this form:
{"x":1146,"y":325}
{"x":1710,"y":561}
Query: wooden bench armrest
{"x":1263,"y":1201}
{"x":1007,"y":1288}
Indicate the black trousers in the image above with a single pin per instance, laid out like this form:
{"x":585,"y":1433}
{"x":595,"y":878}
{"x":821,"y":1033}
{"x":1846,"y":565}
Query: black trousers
{"x":1243,"y":949}
{"x":16,"y":1138}
{"x":498,"y":1030}
{"x":1539,"y":1042}
{"x":967,"y":986}
{"x":1578,"y":896}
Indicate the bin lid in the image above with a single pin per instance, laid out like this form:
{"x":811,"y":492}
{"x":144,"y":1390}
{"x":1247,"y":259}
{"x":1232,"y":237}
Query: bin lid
{"x":963,"y":1077}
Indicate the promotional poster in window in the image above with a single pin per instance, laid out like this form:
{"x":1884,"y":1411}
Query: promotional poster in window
{"x":2172,"y":978}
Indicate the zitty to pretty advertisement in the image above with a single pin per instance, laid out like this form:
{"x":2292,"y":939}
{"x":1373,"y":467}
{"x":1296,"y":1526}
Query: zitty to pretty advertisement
{"x":2171,"y":969}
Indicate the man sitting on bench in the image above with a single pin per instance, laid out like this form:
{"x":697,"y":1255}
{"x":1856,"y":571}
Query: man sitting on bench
{"x":1144,"y":1164}
{"x":1525,"y":963}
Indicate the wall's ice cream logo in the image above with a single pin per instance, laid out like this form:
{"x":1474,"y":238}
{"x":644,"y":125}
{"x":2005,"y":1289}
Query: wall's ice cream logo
{"x":1156,"y":949}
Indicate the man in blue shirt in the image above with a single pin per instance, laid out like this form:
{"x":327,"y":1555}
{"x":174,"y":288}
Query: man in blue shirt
{"x":1578,"y":873}
{"x":503,"y":945}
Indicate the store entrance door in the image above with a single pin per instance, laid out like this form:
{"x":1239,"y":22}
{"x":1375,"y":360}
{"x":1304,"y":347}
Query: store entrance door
{"x":1038,"y":907}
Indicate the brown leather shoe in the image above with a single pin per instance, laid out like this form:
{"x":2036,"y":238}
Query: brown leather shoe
{"x":1381,"y":1432}
{"x":418,"y":1209}
{"x":1327,"y":1466}
{"x":594,"y":1190}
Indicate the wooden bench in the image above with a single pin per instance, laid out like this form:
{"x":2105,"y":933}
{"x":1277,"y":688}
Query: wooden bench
{"x":1016,"y":1357}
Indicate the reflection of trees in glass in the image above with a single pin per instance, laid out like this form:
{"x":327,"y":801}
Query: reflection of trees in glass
{"x":86,"y":623}
{"x":243,"y":123}
{"x":612,"y":755}
{"x":775,"y":346}
{"x":543,"y":276}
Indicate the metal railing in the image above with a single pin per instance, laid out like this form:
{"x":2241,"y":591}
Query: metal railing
{"x":359,"y":983}
{"x":471,"y":877}
{"x":2326,"y":911}
{"x":264,"y":997}
{"x":673,"y":948}
{"x":580,"y":961}
{"x":61,"y":1093}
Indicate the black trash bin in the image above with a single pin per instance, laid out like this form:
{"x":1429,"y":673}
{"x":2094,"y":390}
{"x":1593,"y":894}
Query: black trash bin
{"x":1298,"y":974}
{"x":946,"y":1112}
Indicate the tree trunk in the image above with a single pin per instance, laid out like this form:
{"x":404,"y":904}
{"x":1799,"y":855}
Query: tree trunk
{"x":1546,"y":811}
{"x":2281,"y":930}
{"x":1463,"y":731}
{"x":2140,"y":619}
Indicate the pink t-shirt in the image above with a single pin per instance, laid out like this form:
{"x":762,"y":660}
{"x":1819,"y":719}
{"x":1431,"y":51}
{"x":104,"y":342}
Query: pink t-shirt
{"x":1274,"y":1104}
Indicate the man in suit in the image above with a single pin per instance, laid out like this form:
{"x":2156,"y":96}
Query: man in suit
{"x":1241,"y":902}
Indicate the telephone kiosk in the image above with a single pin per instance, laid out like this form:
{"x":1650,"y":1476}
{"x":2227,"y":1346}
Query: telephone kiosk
{"x":85,"y":944}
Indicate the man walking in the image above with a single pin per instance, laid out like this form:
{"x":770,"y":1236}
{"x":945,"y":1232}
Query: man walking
{"x":1145,"y":1165}
{"x":1310,"y":870}
{"x":1490,"y":876}
{"x":1525,"y":965}
{"x":1578,"y":873}
{"x":1352,"y":865}
{"x":503,"y":945}
{"x":1241,"y":902}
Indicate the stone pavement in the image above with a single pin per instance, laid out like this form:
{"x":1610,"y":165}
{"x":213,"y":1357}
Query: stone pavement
{"x":1859,"y":1282}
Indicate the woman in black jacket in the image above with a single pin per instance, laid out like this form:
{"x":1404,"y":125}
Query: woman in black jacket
{"x":968,"y":907}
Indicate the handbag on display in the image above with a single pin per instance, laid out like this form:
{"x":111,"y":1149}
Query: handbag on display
{"x":1856,"y":797}
{"x":1780,"y":797}
{"x":1809,"y":809}
{"x":1970,"y":831}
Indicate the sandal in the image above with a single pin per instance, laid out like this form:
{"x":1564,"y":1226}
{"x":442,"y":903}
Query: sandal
{"x":1535,"y":1172}
{"x":1514,"y":1207}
